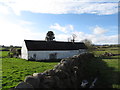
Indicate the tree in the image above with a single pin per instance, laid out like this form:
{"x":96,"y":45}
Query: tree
{"x":49,"y":36}
{"x":74,"y":36}
{"x":72,"y":39}
{"x":88,"y":43}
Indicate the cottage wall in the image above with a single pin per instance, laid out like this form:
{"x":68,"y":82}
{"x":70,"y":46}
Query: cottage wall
{"x":24,"y":51}
{"x":45,"y":55}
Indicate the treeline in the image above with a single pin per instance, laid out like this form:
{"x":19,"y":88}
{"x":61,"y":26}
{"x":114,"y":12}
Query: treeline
{"x":107,"y":46}
{"x":7,"y":48}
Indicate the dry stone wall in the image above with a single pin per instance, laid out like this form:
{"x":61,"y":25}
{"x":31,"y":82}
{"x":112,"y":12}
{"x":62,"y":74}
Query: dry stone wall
{"x":69,"y":73}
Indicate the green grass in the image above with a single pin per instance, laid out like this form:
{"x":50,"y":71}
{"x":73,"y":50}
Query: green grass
{"x":0,"y":72}
{"x":2,"y":48}
{"x":112,"y":63}
{"x":110,"y":69}
{"x":4,"y":54}
{"x":109,"y":50}
{"x":15,"y":70}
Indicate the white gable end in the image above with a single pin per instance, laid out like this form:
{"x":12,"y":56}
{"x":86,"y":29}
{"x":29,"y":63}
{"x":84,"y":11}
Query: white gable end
{"x":24,"y":51}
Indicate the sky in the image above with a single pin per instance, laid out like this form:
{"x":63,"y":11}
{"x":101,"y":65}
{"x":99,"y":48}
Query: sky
{"x":95,"y":20}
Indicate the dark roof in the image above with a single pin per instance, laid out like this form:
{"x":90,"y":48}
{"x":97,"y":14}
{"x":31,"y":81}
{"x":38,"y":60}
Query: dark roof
{"x":36,"y":45}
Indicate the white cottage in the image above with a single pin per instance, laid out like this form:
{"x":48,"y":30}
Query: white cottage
{"x":50,"y":50}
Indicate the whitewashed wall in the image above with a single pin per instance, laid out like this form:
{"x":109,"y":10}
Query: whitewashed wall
{"x":43,"y":55}
{"x":24,"y":51}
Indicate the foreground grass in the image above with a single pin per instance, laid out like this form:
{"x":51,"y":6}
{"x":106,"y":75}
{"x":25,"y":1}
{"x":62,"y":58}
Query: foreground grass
{"x":114,"y":63}
{"x":110,"y":69}
{"x":15,"y":70}
{"x":111,"y":73}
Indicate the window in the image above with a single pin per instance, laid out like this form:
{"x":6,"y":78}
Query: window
{"x":34,"y":56}
{"x":53,"y":56}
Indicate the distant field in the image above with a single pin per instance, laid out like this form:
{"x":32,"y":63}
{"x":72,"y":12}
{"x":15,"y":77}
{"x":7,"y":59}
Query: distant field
{"x":4,"y":54}
{"x":110,"y":50}
{"x":15,"y":70}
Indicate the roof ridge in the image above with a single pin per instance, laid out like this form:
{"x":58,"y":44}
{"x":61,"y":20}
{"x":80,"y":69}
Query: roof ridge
{"x":53,"y":41}
{"x":53,"y":45}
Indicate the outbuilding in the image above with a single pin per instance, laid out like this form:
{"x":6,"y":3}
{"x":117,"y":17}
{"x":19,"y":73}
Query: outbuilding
{"x":50,"y":50}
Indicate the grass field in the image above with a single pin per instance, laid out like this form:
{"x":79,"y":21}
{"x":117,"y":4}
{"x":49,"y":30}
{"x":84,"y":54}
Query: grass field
{"x":110,"y":68}
{"x":14,"y":70}
{"x":4,"y":54}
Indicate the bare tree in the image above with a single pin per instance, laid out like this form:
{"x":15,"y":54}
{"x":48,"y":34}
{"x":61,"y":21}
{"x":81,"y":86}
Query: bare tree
{"x":74,"y":37}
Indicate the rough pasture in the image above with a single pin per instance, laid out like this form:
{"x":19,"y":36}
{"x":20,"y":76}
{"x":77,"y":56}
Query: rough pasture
{"x":15,"y":70}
